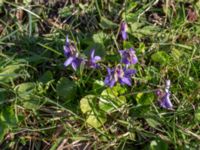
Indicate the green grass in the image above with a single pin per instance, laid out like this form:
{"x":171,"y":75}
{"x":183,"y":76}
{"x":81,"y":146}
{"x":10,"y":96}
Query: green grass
{"x":42,"y":103}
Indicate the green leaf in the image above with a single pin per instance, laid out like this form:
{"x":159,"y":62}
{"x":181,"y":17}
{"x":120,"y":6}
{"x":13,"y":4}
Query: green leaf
{"x":33,"y":102}
{"x":134,"y":27}
{"x":98,"y":43}
{"x":127,"y":45}
{"x":26,"y":2}
{"x":9,"y":73}
{"x":66,"y":88}
{"x":149,"y":30}
{"x":130,"y":17}
{"x":158,"y":145}
{"x":3,"y":94}
{"x":107,"y":24}
{"x":96,"y":120}
{"x":119,"y":89}
{"x":139,"y":110}
{"x":110,"y":93}
{"x":3,"y":130}
{"x":114,"y":91}
{"x":110,"y":98}
{"x":110,"y":104}
{"x":86,"y":103}
{"x":88,"y":106}
{"x":152,"y":122}
{"x":98,"y":85}
{"x":99,"y":37}
{"x":46,"y":77}
{"x":141,"y":48}
{"x":130,"y":6}
{"x":145,"y":98}
{"x":99,"y":49}
{"x":8,"y":116}
{"x":27,"y":91}
{"x":24,"y":90}
{"x":139,"y":30}
{"x":65,"y":11}
{"x":176,"y":54}
{"x":197,"y":114}
{"x":160,"y":57}
{"x":112,"y":58}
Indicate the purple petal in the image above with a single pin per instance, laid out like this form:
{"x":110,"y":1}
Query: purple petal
{"x":168,"y":83}
{"x":121,"y":82}
{"x":126,"y":81}
{"x":123,"y":30}
{"x":124,"y":35}
{"x":68,"y":61}
{"x":125,"y":61}
{"x":66,"y":51}
{"x":134,"y":60}
{"x":77,"y":62}
{"x":66,"y":48}
{"x":109,"y":71}
{"x":74,"y":65}
{"x":123,"y":26}
{"x":93,"y":65}
{"x":67,"y":40}
{"x":165,"y":101}
{"x":92,"y":53}
{"x":129,"y":72}
{"x":121,"y":52}
{"x":97,"y":58}
{"x":132,"y":50}
{"x":112,"y":83}
{"x":107,"y":80}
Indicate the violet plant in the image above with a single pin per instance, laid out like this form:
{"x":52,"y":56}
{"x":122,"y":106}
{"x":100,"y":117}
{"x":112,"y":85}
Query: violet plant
{"x":74,"y":59}
{"x":120,"y":73}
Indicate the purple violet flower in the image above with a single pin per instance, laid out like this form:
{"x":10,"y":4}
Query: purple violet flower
{"x":119,"y":74}
{"x":69,"y":48}
{"x":128,"y":56}
{"x":75,"y":61}
{"x":72,"y":55}
{"x":93,"y":60}
{"x":124,"y":28}
{"x":165,"y":101}
{"x":164,"y":97}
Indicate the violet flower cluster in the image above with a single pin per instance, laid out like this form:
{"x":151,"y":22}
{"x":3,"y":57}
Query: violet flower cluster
{"x":121,"y":73}
{"x":73,"y":57}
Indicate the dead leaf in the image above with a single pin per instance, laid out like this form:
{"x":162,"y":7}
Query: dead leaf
{"x":191,"y":15}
